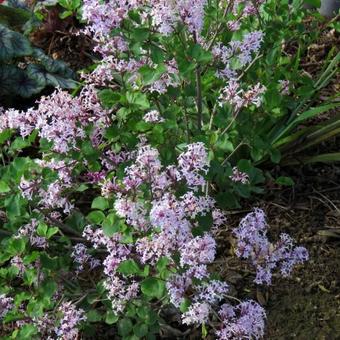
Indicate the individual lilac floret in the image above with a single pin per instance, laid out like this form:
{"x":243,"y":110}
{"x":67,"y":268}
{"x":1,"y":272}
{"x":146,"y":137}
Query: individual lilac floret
{"x":6,"y":304}
{"x":244,"y":321}
{"x":72,"y":317}
{"x":239,"y":176}
{"x":253,"y":244}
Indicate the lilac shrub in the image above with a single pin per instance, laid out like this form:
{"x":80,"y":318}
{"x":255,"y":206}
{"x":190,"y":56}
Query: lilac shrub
{"x":113,"y":196}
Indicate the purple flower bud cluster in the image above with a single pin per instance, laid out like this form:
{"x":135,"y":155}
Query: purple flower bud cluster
{"x":71,"y":318}
{"x":253,"y":245}
{"x":6,"y":305}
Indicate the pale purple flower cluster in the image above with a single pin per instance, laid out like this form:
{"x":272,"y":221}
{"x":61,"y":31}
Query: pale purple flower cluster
{"x":199,"y":250}
{"x":120,"y":290}
{"x":198,"y":313}
{"x":167,"y":79}
{"x":50,"y":195}
{"x":192,"y":163}
{"x":284,"y":86}
{"x":71,"y":318}
{"x":59,"y":118}
{"x":239,"y":98}
{"x":6,"y":305}
{"x":239,"y":176}
{"x":103,"y":17}
{"x":239,"y":51}
{"x":163,"y":223}
{"x":18,"y":262}
{"x":241,"y":12}
{"x":253,"y":244}
{"x":30,"y":230}
{"x":243,"y":321}
{"x":81,"y":258}
{"x":153,"y":117}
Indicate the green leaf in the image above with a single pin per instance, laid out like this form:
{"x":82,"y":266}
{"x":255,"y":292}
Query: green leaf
{"x":14,"y":17}
{"x":93,"y":316}
{"x":111,"y":225}
{"x":151,"y":74}
{"x":96,"y":217}
{"x":314,"y":3}
{"x":100,"y":203}
{"x":65,"y":14}
{"x":128,"y":267}
{"x":284,"y":181}
{"x":111,"y":318}
{"x":14,"y":80}
{"x":27,"y":332}
{"x":138,"y":99}
{"x":49,"y":288}
{"x":108,"y":98}
{"x":16,"y":246}
{"x":52,"y":231}
{"x":140,"y":330}
{"x":153,"y":287}
{"x":42,"y":229}
{"x":162,"y":264}
{"x":184,"y":306}
{"x":140,"y":34}
{"x":4,"y":187}
{"x":125,"y":327}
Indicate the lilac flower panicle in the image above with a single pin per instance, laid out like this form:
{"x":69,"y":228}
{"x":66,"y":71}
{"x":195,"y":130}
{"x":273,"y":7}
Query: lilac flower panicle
{"x":212,"y":292}
{"x":253,"y":244}
{"x":6,"y":305}
{"x":200,"y":250}
{"x":239,"y":176}
{"x":198,"y":313}
{"x":243,"y":321}
{"x":153,"y":117}
{"x":192,"y":162}
{"x":69,"y":323}
{"x":81,"y":258}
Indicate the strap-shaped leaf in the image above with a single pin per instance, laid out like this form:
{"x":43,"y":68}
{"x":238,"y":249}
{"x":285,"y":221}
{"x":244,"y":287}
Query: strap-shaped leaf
{"x":13,"y":44}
